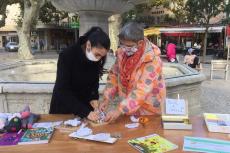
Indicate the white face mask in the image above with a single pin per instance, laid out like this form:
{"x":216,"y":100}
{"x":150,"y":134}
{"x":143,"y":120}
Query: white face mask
{"x":91,"y":56}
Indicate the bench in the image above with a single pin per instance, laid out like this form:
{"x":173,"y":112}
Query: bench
{"x":219,"y":65}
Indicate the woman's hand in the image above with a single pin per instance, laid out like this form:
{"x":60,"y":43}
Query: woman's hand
{"x":112,"y":115}
{"x":103,"y":106}
{"x":94,"y":104}
{"x":93,"y":116}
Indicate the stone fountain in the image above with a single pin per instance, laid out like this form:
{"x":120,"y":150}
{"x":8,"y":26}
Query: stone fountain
{"x":95,"y":12}
{"x":35,"y":85}
{"x":31,"y":82}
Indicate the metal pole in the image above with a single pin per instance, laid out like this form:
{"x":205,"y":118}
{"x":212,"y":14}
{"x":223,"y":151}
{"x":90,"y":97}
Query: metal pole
{"x":228,"y":53}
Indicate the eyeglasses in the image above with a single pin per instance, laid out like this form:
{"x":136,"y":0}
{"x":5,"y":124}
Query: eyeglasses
{"x":133,"y":48}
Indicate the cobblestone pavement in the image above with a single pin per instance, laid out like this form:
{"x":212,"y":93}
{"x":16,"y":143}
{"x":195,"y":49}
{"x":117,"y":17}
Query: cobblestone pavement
{"x":13,"y":56}
{"x":215,"y":94}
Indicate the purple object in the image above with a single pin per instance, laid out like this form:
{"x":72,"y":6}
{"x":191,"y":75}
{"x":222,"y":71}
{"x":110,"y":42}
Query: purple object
{"x":10,"y":138}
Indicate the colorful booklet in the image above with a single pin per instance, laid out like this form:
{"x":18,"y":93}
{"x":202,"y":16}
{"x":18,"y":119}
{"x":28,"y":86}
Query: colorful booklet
{"x":217,"y":122}
{"x":36,"y":136}
{"x":10,"y":138}
{"x":152,"y":143}
{"x":198,"y":144}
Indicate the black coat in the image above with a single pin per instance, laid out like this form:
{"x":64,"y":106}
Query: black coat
{"x":76,"y":84}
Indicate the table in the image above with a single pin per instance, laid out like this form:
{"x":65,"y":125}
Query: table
{"x":61,"y":143}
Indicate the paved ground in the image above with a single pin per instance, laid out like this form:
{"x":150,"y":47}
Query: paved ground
{"x":215,"y":94}
{"x":12,"y":56}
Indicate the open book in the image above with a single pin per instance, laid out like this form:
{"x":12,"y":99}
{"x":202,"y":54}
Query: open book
{"x":217,"y":122}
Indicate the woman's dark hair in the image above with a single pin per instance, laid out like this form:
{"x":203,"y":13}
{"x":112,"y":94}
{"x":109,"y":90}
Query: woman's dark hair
{"x":98,"y":38}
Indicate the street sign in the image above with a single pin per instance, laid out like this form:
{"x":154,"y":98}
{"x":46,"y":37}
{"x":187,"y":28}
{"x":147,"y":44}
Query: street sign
{"x":75,"y":25}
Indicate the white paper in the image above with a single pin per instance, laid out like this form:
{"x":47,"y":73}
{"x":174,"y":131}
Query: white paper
{"x":101,"y":136}
{"x":73,"y":122}
{"x":134,"y":119}
{"x":132,"y":125}
{"x":92,"y":137}
{"x":47,"y":124}
{"x":175,"y":107}
{"x":84,"y":132}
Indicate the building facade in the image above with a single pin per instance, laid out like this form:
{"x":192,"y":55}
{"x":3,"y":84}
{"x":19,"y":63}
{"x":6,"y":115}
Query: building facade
{"x":44,"y":37}
{"x":8,"y":33}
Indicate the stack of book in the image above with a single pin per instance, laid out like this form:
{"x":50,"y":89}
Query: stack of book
{"x":175,"y":115}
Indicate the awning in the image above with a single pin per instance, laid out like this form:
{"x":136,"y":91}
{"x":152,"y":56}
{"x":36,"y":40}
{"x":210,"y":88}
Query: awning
{"x":181,"y":31}
{"x":179,"y":34}
{"x":216,"y":29}
{"x":152,"y":31}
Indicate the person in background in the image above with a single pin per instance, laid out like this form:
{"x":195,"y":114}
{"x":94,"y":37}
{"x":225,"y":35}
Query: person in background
{"x":78,"y":71}
{"x":41,"y":44}
{"x":136,"y":79}
{"x":171,"y":52}
{"x":191,"y":59}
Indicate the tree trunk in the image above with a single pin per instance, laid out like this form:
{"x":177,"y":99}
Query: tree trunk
{"x":205,"y":44}
{"x":114,"y":27}
{"x":31,"y":9}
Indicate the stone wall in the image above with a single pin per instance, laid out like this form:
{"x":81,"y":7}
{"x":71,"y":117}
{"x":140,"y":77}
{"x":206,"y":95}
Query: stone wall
{"x":14,"y":97}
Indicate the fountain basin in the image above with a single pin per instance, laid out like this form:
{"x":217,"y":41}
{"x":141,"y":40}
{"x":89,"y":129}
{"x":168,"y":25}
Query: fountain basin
{"x":20,"y":84}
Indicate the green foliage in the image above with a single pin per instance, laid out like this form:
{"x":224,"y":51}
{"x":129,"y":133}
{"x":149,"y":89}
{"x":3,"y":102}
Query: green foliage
{"x":3,"y":12}
{"x":136,"y":14}
{"x":201,"y":11}
{"x":177,"y":7}
{"x":49,"y":13}
{"x":227,"y":11}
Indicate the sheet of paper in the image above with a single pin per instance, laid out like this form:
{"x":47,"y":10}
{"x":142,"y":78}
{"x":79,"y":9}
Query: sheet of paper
{"x":132,"y":125}
{"x":47,"y":124}
{"x":134,"y":119}
{"x":92,"y":137}
{"x":198,"y":144}
{"x":73,"y":122}
{"x":84,"y":131}
{"x":102,"y":136}
{"x":175,"y":107}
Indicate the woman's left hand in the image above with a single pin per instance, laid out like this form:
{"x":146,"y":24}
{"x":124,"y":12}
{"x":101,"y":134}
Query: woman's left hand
{"x":112,"y":115}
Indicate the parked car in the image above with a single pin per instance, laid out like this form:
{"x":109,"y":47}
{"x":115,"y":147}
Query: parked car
{"x":11,"y":46}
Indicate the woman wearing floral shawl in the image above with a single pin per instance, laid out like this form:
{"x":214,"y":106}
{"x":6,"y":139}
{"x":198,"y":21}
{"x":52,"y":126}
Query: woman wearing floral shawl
{"x":136,"y":77}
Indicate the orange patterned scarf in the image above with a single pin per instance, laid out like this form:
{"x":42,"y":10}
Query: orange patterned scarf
{"x":128,"y":64}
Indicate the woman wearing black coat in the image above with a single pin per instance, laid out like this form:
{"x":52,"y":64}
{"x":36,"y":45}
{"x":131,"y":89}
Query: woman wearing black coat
{"x":78,"y":71}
